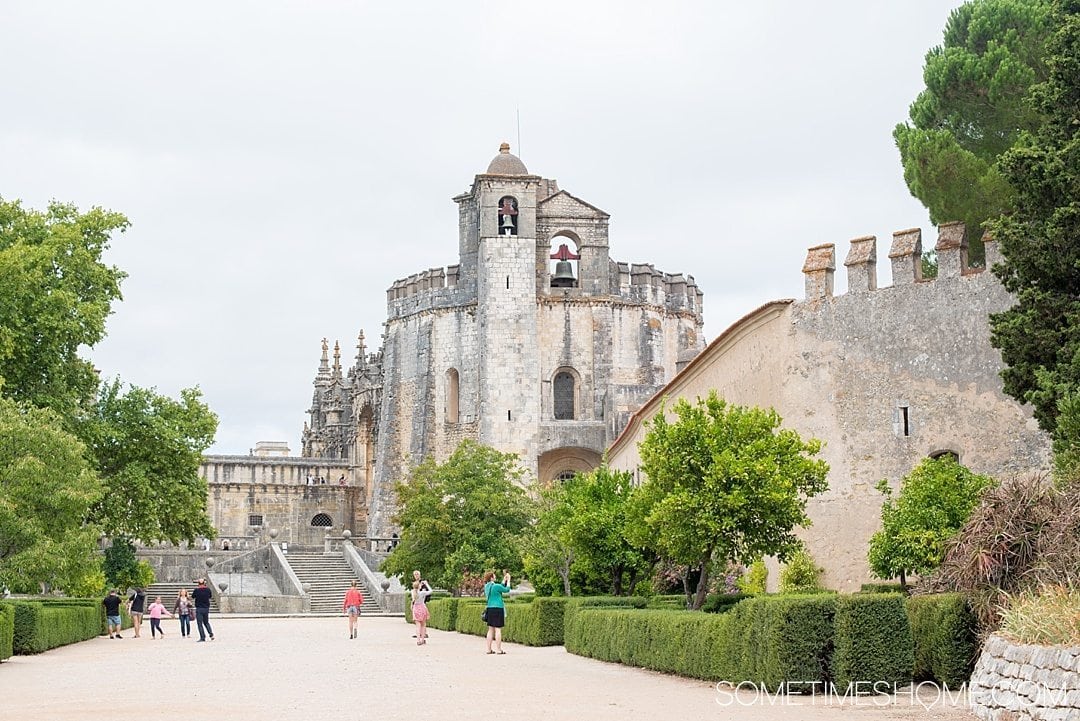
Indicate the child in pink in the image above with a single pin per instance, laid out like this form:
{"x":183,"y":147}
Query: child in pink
{"x":156,"y":610}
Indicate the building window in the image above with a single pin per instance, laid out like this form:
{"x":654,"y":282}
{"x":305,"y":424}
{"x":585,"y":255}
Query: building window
{"x":321,"y":520}
{"x":508,"y":210}
{"x":255,"y":519}
{"x":452,"y":396}
{"x":563,"y":396}
{"x":902,"y":420}
{"x":945,"y":452}
{"x":564,"y":476}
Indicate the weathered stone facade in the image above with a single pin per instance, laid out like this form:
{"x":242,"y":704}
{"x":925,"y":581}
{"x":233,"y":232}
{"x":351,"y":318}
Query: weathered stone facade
{"x":884,"y":376}
{"x":541,"y":361}
{"x":1019,"y":682}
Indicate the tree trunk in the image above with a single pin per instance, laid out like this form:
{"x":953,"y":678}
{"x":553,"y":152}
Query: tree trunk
{"x":903,"y":580}
{"x":616,"y":581}
{"x":702,"y":584}
{"x":686,"y":587}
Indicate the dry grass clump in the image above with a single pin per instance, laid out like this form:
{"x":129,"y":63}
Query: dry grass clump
{"x":1050,"y":617}
{"x":1023,"y":536}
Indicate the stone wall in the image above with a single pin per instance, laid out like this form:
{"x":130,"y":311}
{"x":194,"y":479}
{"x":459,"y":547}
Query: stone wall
{"x":1017,"y":682}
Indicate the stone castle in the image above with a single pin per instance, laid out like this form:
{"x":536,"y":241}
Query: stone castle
{"x":538,"y":344}
{"x":535,"y":343}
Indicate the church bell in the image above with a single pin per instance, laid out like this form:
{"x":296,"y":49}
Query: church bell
{"x":564,"y":275}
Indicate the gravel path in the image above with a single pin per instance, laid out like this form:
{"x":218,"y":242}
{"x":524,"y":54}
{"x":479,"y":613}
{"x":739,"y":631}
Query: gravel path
{"x":267,"y":669}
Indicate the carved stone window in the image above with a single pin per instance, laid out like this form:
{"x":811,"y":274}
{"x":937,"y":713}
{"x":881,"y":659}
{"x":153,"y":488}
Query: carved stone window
{"x":563,"y":396}
{"x":452,"y":396}
{"x":255,"y":519}
{"x":564,"y":476}
{"x":321,"y":520}
{"x":508,"y":215}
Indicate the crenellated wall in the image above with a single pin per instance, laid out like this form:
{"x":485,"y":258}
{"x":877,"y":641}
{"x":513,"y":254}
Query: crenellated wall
{"x":885,"y":376}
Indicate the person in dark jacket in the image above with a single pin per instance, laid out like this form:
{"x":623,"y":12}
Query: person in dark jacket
{"x":202,"y":595}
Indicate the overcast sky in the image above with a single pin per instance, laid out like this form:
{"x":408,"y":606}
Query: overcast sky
{"x":283,"y":163}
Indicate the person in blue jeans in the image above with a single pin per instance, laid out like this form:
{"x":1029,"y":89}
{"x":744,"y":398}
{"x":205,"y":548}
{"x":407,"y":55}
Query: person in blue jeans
{"x":202,"y":596}
{"x":495,"y":613}
{"x":183,"y":609}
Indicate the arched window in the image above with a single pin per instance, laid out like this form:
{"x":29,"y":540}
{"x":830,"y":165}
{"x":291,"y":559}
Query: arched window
{"x":563,"y":396}
{"x":564,"y":476}
{"x":321,"y":520}
{"x":452,"y":396}
{"x":946,"y":452}
{"x":508,"y":211}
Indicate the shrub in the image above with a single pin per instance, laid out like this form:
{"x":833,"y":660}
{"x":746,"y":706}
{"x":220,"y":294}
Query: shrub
{"x":669,"y":603}
{"x":722,"y":602}
{"x":39,"y":626}
{"x":882,"y":588}
{"x":756,"y":578}
{"x":1050,"y":617}
{"x":7,"y":630}
{"x":800,"y":574}
{"x":873,"y":643}
{"x":943,"y":632}
{"x":443,"y":613}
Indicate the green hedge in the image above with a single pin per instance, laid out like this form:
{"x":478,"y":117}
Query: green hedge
{"x":882,"y":588}
{"x":7,"y":630}
{"x":943,"y":629}
{"x":873,"y":643}
{"x":39,"y":626}
{"x":722,"y":602}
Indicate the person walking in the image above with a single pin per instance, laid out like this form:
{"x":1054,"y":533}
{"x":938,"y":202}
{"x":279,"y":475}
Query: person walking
{"x":495,"y":613}
{"x":184,"y":610}
{"x":351,"y":606}
{"x":136,"y":603}
{"x":111,"y":603}
{"x":420,"y":613}
{"x":157,"y":609}
{"x":202,"y":596}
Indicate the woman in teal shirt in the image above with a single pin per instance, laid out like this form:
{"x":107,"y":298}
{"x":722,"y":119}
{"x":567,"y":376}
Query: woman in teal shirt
{"x":495,"y":613}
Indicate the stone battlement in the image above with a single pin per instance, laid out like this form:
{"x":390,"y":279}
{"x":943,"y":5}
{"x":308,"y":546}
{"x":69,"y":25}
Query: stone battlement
{"x":642,"y":283}
{"x":905,"y":256}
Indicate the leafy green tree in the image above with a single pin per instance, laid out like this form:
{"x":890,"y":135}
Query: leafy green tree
{"x":755,"y":579}
{"x":935,"y":500}
{"x":724,"y":482}
{"x":57,"y":295}
{"x":1040,"y":241}
{"x":596,"y":527}
{"x":800,"y":574}
{"x":47,"y":489}
{"x":973,"y":109}
{"x":123,"y":569}
{"x":148,"y":448}
{"x":464,"y":515}
{"x":546,"y":547}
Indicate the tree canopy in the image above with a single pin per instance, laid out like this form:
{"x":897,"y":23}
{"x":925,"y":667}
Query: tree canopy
{"x":974,"y":109}
{"x":725,"y":482}
{"x":1039,"y":336}
{"x":57,"y":295}
{"x":464,"y":515}
{"x":148,"y":448}
{"x":47,"y":489}
{"x":934,"y":502}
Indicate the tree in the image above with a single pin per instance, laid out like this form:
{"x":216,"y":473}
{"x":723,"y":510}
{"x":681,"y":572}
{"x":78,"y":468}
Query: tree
{"x":545,"y":546}
{"x":57,"y":295}
{"x":596,"y":527}
{"x":973,"y":109}
{"x":462,"y":515}
{"x":123,"y":569}
{"x":148,"y":448}
{"x":1040,"y":241}
{"x":935,"y":501}
{"x":47,"y":489}
{"x":724,"y":482}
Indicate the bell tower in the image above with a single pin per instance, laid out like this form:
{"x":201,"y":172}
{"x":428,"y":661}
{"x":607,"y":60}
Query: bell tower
{"x":504,"y":198}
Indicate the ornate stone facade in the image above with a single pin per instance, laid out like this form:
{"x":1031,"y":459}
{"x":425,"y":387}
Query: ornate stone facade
{"x":536,"y":343}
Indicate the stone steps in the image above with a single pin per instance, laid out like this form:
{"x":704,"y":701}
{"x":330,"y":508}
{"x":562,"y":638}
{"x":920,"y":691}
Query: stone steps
{"x":169,"y":591}
{"x":330,"y":576}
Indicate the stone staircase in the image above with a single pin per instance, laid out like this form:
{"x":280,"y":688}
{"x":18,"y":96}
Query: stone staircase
{"x":329,"y":576}
{"x":169,"y":591}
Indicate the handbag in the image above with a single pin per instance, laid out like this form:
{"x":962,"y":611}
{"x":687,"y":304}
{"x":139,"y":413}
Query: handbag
{"x":483,"y":615}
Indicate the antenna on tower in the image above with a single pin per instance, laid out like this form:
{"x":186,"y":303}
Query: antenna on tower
{"x":519,"y":131}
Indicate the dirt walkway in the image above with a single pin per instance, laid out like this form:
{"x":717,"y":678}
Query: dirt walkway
{"x":307,"y":668}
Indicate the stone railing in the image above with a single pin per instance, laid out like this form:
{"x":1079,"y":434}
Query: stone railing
{"x":1017,"y":682}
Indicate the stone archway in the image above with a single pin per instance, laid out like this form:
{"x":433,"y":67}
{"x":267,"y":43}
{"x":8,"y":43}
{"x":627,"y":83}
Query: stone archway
{"x":554,"y":463}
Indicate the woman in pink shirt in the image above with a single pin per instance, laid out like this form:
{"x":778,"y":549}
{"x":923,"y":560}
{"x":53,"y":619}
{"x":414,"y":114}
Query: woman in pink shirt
{"x":156,"y":610}
{"x":351,"y":606}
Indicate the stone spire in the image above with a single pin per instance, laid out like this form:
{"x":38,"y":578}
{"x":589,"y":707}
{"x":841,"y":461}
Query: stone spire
{"x":323,"y":376}
{"x":361,"y":349}
{"x":337,"y":360}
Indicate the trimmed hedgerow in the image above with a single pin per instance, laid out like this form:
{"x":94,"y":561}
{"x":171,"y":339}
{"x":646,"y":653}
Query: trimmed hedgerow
{"x":943,"y":629}
{"x":443,"y":613}
{"x":882,"y":588}
{"x":767,"y":640}
{"x":40,"y":626}
{"x":873,"y":645}
{"x":667,"y":602}
{"x":7,"y":631}
{"x":722,"y":602}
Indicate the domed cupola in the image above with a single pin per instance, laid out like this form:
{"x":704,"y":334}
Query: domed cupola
{"x":506,"y":164}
